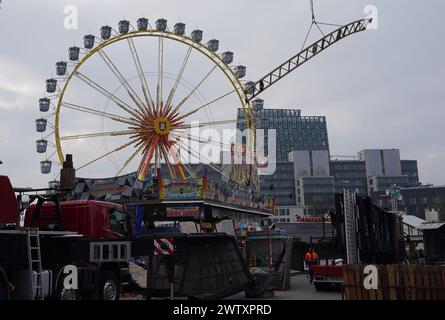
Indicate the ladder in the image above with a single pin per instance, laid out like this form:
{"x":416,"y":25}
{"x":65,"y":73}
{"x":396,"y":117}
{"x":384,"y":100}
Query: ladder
{"x":35,"y":263}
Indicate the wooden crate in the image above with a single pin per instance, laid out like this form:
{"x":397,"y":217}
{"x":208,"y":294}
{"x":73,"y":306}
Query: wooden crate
{"x":396,"y":282}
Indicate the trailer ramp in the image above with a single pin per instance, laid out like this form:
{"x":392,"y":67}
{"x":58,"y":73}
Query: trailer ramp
{"x":206,"y":266}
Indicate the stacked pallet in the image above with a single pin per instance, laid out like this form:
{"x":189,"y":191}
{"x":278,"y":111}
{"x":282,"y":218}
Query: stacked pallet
{"x":395,"y":282}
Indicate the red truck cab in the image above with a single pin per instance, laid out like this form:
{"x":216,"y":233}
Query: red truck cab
{"x":94,"y":219}
{"x":328,"y":276}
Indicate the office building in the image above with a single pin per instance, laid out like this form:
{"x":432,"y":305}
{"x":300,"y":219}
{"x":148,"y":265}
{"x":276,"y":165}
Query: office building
{"x":416,"y":201}
{"x":294,"y":132}
{"x":306,"y":177}
{"x":374,"y":170}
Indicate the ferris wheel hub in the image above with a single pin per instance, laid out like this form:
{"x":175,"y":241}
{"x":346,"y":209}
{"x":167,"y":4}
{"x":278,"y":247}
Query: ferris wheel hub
{"x":162,"y":125}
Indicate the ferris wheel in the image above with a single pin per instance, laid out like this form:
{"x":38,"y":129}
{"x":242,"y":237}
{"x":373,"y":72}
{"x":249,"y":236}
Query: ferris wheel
{"x":130,"y":99}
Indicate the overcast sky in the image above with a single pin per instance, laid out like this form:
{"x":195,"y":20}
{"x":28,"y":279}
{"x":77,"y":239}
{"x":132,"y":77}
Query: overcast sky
{"x":379,"y":89}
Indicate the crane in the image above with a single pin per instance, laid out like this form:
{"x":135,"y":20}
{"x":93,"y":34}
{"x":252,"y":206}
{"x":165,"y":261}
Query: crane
{"x":253,"y":89}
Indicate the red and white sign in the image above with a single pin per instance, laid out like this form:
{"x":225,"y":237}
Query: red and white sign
{"x":163,"y":246}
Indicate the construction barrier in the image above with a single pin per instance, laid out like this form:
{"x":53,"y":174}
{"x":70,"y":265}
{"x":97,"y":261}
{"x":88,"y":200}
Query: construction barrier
{"x":395,"y":282}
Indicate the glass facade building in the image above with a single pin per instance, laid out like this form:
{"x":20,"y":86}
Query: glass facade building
{"x":281,"y":184}
{"x":416,"y":200}
{"x":352,"y":176}
{"x":293,"y":132}
{"x":410,"y":169}
{"x":349,"y":175}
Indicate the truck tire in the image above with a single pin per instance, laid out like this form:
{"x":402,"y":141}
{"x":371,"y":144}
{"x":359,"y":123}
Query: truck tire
{"x":60,"y":293}
{"x":109,"y":286}
{"x":64,"y":294}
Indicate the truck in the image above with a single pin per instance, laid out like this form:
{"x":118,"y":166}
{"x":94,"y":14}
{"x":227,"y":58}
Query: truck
{"x":64,"y":250}
{"x":328,"y":276}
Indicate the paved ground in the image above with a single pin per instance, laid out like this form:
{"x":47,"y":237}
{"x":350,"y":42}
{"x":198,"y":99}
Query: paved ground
{"x":301,"y":289}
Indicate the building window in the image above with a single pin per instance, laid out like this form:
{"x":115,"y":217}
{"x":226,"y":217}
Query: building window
{"x":424,"y":200}
{"x":413,"y":201}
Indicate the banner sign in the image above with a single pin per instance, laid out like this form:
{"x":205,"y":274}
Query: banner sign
{"x":181,"y":189}
{"x":175,"y":212}
{"x":128,"y":187}
{"x":318,"y":219}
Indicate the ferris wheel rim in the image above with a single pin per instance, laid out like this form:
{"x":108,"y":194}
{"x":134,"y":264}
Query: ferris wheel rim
{"x":185,"y":40}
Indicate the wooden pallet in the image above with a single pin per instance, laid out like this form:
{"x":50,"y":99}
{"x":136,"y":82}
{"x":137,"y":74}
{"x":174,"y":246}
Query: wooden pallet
{"x":396,"y":282}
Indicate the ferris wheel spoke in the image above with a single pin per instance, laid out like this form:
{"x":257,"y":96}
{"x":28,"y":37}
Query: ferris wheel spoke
{"x":160,"y":74}
{"x":178,"y":78}
{"x":211,"y":123}
{"x":170,"y":168}
{"x":205,"y":105}
{"x":177,"y":159}
{"x":146,"y":159}
{"x":107,"y":94}
{"x":176,"y":151}
{"x":157,"y":157}
{"x":198,"y":139}
{"x":98,"y":134}
{"x":122,"y":80}
{"x":196,"y":154}
{"x":142,"y":79}
{"x":108,"y":153}
{"x":139,"y":149}
{"x":187,"y":166}
{"x":194,"y":89}
{"x":99,"y":113}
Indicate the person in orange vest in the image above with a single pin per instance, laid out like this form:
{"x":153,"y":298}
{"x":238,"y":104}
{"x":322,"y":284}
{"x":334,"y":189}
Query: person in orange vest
{"x":311,"y":258}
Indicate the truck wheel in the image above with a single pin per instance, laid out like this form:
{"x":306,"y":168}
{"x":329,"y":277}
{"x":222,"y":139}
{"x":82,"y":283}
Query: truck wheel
{"x":109,"y":286}
{"x":64,"y":294}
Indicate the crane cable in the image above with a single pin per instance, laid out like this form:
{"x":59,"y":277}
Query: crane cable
{"x":316,"y":23}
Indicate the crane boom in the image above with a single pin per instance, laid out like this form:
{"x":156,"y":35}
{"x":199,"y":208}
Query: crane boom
{"x":306,"y":54}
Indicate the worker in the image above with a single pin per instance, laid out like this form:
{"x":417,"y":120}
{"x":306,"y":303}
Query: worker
{"x":421,"y":257}
{"x":311,"y":258}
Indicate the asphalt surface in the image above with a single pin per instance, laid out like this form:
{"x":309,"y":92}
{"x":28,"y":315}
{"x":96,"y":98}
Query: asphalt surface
{"x":300,"y":289}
